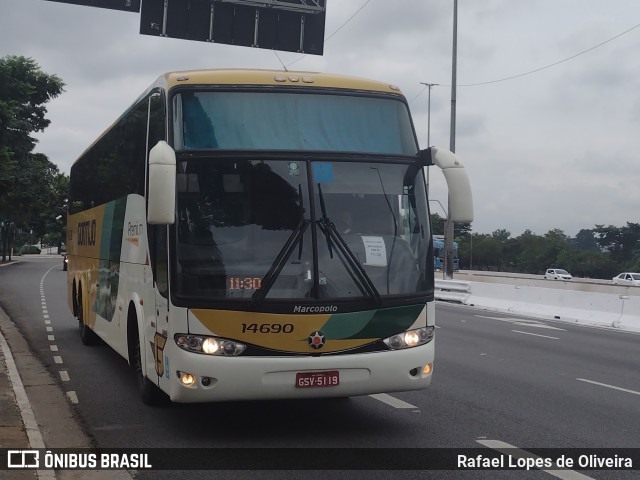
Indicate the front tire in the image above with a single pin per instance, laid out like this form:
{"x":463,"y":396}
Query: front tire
{"x":149,"y":393}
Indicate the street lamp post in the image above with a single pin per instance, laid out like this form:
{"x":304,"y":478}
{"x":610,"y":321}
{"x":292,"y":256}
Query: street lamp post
{"x":429,"y":111}
{"x":449,"y":231}
{"x":429,"y":123}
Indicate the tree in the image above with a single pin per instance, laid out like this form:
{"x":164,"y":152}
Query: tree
{"x":437,"y":224}
{"x":24,"y":91}
{"x":585,"y":240}
{"x":622,"y":243}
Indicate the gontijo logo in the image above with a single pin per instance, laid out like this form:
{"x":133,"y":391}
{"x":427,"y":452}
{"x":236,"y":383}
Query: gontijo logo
{"x":87,"y":232}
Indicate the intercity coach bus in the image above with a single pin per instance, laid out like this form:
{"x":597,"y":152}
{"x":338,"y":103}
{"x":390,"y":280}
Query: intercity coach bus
{"x":245,"y":234}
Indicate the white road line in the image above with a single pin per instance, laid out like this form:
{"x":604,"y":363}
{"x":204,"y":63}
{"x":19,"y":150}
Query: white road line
{"x":51,"y":338}
{"x":54,"y":348}
{"x":64,"y":376}
{"x":73,"y":397}
{"x":507,"y":449}
{"x":49,"y":329}
{"x":393,"y":401}
{"x":608,"y":386}
{"x":535,"y":335}
{"x":522,"y":322}
{"x":26,"y":412}
{"x":57,"y":359}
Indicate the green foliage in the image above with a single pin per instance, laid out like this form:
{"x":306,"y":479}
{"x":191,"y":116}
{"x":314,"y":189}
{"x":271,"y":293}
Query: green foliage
{"x":31,"y":187}
{"x":29,"y":250}
{"x":599,"y":253}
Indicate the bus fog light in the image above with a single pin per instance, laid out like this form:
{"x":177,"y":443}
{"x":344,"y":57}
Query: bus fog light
{"x":187,"y":379}
{"x":427,"y":369}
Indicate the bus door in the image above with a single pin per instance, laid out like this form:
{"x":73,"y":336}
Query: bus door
{"x":159,"y":335}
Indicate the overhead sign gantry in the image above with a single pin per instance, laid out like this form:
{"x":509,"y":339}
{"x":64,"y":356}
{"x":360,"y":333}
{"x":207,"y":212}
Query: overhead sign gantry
{"x":288,"y":25}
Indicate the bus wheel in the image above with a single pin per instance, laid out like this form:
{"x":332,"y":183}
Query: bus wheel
{"x":87,"y":335}
{"x":149,"y":392}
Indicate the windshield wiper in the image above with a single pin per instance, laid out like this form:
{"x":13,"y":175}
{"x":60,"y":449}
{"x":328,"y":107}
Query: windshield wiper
{"x":345,"y":254}
{"x":283,"y":256}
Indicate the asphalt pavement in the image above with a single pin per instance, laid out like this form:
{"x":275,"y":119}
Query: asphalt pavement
{"x":28,"y":393}
{"x":17,"y":421}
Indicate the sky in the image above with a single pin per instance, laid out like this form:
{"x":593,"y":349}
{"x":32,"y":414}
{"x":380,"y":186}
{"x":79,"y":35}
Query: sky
{"x":558,"y":148}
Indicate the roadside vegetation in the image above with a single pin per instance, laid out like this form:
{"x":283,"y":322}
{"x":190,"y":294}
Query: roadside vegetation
{"x":599,"y":252}
{"x":33,"y":192}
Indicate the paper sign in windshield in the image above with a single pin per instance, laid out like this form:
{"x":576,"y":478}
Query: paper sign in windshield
{"x":375,"y":250}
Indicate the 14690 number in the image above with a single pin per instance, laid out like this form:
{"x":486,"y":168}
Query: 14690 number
{"x":267,"y":328}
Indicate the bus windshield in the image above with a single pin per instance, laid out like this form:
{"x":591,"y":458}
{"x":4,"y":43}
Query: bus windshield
{"x":291,"y":121}
{"x":362,"y":231}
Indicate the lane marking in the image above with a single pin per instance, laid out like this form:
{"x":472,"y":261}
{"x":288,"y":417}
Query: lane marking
{"x":608,"y":386}
{"x":64,"y":376}
{"x":393,"y":401}
{"x":535,"y":335}
{"x":54,"y":348}
{"x":34,"y":436}
{"x":57,"y":359}
{"x":73,"y":397}
{"x":508,"y":449}
{"x":524,"y":323}
{"x":51,"y":338}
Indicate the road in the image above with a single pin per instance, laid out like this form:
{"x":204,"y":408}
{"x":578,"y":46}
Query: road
{"x":528,"y":383}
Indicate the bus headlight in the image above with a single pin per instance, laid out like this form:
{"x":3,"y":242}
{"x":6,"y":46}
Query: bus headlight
{"x":410,"y":338}
{"x":209,"y":345}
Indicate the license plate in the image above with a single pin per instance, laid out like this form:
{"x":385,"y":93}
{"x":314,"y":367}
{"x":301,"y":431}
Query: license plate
{"x":317,"y":379}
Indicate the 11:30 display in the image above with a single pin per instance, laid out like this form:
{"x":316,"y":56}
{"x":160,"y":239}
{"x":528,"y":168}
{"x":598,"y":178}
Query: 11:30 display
{"x":244,"y":283}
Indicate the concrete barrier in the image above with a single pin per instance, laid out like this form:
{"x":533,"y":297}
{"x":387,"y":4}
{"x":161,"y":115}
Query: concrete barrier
{"x":452,"y":290}
{"x":603,"y":309}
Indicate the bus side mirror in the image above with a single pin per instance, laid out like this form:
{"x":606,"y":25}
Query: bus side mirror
{"x":162,"y":185}
{"x":460,"y":198}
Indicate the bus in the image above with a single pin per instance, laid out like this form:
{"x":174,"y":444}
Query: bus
{"x":254,"y":234}
{"x":438,"y":254}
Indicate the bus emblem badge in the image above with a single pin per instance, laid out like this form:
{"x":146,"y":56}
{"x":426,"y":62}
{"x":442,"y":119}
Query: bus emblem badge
{"x":316,"y":339}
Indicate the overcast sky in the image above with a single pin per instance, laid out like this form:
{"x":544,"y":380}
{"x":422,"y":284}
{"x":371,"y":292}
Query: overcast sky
{"x":558,"y":148}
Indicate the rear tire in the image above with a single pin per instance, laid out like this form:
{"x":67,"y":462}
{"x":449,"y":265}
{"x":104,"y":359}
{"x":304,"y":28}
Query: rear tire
{"x":88,"y":336}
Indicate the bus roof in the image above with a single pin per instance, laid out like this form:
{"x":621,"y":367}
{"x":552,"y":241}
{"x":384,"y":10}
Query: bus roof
{"x":271,"y":77}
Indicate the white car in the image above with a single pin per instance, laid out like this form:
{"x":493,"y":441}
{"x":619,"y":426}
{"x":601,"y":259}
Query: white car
{"x":557,"y":274}
{"x":627,"y":278}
